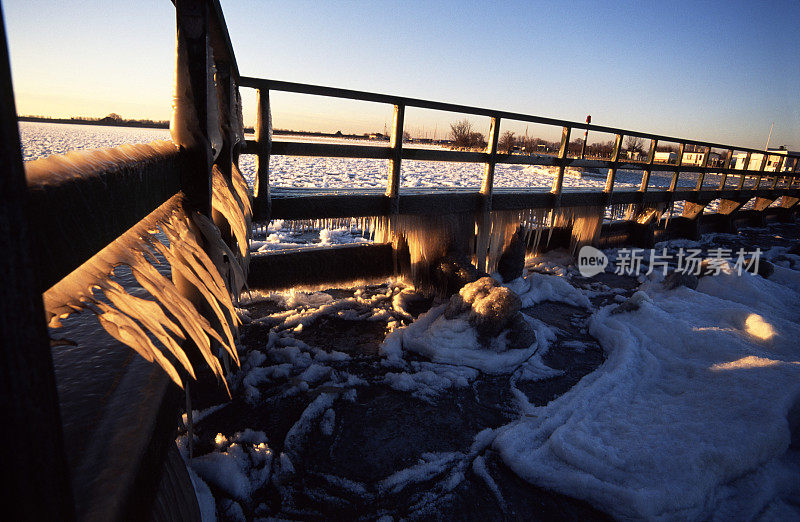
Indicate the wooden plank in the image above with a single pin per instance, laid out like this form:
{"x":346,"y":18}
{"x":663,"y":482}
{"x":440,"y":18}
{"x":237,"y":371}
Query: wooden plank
{"x":321,"y":266}
{"x":37,"y":484}
{"x":305,"y":204}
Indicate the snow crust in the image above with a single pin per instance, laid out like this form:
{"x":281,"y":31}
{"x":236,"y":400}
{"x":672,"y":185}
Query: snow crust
{"x":689,"y":417}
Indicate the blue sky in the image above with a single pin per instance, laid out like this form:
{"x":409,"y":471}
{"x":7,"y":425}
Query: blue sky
{"x":721,"y":71}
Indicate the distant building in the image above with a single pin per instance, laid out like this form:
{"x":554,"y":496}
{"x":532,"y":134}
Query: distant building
{"x":697,"y":158}
{"x":776,"y":157}
{"x":666,"y":157}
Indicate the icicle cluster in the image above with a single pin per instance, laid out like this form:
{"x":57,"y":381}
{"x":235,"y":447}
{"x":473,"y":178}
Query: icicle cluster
{"x":132,"y":320}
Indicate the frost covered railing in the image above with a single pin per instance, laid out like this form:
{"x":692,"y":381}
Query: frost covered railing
{"x":66,"y":223}
{"x":304,"y":204}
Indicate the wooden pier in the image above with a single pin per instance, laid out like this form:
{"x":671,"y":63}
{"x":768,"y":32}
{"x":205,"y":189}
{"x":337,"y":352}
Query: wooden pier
{"x":133,"y":426}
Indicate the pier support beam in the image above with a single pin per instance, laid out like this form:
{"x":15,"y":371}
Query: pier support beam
{"x":37,"y":485}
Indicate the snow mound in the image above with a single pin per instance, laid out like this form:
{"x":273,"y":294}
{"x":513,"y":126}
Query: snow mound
{"x":690,"y":417}
{"x":536,"y":288}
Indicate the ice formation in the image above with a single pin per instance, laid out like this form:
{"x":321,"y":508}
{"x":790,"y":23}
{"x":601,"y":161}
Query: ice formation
{"x":132,"y":319}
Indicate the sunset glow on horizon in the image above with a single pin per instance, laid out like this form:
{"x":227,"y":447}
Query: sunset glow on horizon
{"x":721,"y":71}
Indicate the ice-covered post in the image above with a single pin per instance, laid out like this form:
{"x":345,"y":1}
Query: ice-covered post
{"x":261,"y":192}
{"x":37,"y":485}
{"x":704,"y":165}
{"x":396,"y":146}
{"x":562,"y":154}
{"x":651,"y":155}
{"x":612,"y":171}
{"x":726,"y":167}
{"x":190,"y":127}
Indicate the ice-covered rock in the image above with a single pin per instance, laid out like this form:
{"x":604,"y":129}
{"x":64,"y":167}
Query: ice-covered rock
{"x":491,"y":308}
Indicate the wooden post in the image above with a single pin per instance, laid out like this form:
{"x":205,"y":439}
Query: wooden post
{"x":613,"y":170}
{"x":702,"y":176}
{"x":562,"y":154}
{"x":777,"y":171}
{"x":761,"y":170}
{"x":651,"y":155}
{"x":491,"y":149}
{"x":261,"y":193}
{"x":37,"y":484}
{"x":673,"y":184}
{"x":726,"y":166}
{"x":396,"y":144}
{"x":746,"y":167}
{"x":195,"y":81}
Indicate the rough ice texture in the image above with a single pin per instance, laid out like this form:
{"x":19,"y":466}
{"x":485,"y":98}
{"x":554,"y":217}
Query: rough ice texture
{"x":690,"y":417}
{"x":130,"y":319}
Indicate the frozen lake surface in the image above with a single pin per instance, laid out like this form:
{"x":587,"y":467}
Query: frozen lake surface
{"x":42,"y":139}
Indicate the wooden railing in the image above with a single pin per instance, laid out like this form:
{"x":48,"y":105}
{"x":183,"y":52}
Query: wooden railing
{"x":527,"y":197}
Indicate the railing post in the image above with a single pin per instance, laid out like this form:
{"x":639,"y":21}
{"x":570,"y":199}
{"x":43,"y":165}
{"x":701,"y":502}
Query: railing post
{"x":794,"y":171}
{"x":396,"y":144}
{"x":562,"y":154}
{"x":491,"y":149}
{"x":726,"y":167}
{"x":761,"y":170}
{"x":193,"y":86}
{"x":673,"y":184}
{"x":777,"y":172}
{"x":702,"y":175}
{"x":261,"y":192}
{"x":612,"y":171}
{"x":651,"y":155}
{"x":746,"y":168}
{"x":37,"y":484}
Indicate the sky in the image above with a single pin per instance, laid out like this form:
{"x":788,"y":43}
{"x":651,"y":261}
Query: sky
{"x":718,"y":71}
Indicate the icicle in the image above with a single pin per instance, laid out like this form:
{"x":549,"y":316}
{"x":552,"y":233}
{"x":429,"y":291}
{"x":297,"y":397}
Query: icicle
{"x":131,"y":319}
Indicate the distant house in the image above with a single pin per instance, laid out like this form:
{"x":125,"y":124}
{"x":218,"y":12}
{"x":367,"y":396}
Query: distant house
{"x":697,"y":158}
{"x":635,"y":155}
{"x":666,"y":157}
{"x":774,"y":160}
{"x":377,"y":136}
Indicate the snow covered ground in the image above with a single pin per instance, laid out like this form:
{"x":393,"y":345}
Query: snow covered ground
{"x":685,"y":408}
